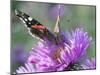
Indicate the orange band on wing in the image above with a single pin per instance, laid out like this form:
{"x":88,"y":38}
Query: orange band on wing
{"x":38,"y":27}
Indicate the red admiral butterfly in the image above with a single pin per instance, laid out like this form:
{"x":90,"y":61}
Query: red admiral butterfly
{"x":40,"y":31}
{"x":37,"y":29}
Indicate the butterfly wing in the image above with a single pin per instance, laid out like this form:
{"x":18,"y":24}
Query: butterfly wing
{"x":35,"y":28}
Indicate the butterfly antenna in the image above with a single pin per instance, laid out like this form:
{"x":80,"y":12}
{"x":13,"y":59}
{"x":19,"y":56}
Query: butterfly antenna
{"x":57,"y":25}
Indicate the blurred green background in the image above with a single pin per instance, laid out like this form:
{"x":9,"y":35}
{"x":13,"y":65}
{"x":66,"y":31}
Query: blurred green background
{"x":72,"y":16}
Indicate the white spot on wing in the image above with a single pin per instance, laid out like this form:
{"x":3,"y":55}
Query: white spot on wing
{"x":22,"y":20}
{"x":25,"y":19}
{"x":30,"y":19}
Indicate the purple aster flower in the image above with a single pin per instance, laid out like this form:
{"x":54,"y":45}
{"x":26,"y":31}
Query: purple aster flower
{"x":79,"y":42}
{"x":29,"y":68}
{"x":47,"y":57}
{"x":44,"y":58}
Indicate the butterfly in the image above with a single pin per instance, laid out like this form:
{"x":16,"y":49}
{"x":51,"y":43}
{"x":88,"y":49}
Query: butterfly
{"x":38,"y":30}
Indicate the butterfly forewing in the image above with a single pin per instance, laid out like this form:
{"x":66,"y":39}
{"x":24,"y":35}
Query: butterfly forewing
{"x":36,"y":28}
